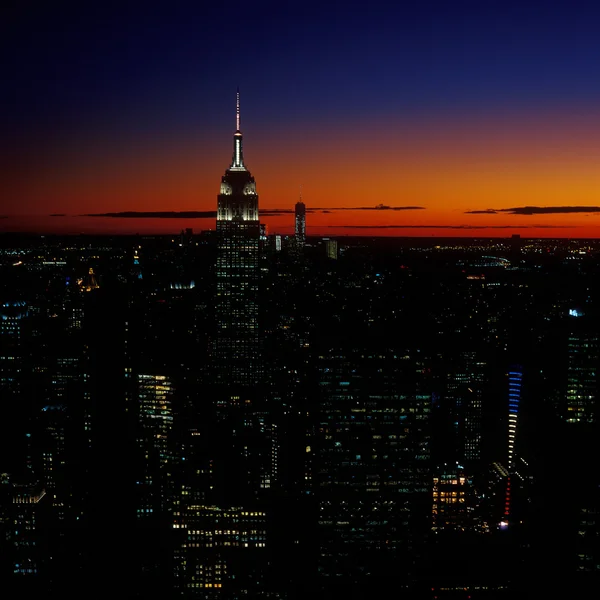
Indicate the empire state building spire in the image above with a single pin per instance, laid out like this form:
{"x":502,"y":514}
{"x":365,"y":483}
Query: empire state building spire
{"x":237,"y":163}
{"x":236,"y":349}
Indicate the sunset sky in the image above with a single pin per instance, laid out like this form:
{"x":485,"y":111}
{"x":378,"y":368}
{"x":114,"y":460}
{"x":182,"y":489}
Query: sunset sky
{"x":467,"y":118}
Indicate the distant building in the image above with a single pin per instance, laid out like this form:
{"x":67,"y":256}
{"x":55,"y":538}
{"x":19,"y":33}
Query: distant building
{"x":136,"y":270}
{"x":300,"y":228}
{"x":90,"y":282}
{"x":455,"y":502}
{"x":583,"y":362}
{"x":515,"y":248}
{"x":23,"y":531}
{"x":12,"y":315}
{"x":331,"y":249}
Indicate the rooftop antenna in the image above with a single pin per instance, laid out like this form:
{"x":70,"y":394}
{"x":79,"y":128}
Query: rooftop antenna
{"x":237,"y":110}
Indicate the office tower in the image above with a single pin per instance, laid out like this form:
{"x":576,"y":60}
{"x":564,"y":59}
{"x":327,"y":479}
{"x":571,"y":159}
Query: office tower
{"x":372,"y":478}
{"x":331,"y":249}
{"x":13,"y":318}
{"x":23,"y":535}
{"x":227,"y":461}
{"x":11,"y":334}
{"x":455,"y":502}
{"x":583,"y":362}
{"x":223,"y":551}
{"x":460,"y":409}
{"x":236,"y":351}
{"x":155,"y":421}
{"x":300,"y":229}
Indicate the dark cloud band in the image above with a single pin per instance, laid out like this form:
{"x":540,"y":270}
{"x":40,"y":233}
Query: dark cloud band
{"x":446,"y":226}
{"x":536,"y":210}
{"x":211,"y":214}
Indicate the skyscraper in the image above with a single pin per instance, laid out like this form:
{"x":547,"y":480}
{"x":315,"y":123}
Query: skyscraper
{"x":331,"y":248}
{"x":300,"y":228}
{"x":583,"y":360}
{"x":230,"y":460}
{"x":238,"y":233}
{"x":372,"y":476}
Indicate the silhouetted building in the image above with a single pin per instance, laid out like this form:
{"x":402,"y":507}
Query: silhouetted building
{"x":372,"y":478}
{"x":300,"y":226}
{"x":515,"y":248}
{"x":461,"y":408}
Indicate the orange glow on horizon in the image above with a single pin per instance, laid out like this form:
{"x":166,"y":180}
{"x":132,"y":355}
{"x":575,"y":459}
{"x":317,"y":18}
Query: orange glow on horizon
{"x":448,"y":168}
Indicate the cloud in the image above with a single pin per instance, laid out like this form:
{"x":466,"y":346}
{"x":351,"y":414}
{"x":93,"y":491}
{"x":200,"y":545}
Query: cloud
{"x":536,"y":210}
{"x":448,"y":226}
{"x":377,"y":207}
{"x":212,"y":214}
{"x":57,"y":215}
{"x":207,"y":214}
{"x":274,"y":212}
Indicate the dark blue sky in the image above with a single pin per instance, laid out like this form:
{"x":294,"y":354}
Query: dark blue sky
{"x":177,"y":66}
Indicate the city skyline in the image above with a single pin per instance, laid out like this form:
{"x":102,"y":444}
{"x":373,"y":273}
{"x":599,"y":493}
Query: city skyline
{"x":458,"y":121}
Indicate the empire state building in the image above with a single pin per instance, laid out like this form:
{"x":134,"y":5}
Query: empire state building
{"x":236,"y":339}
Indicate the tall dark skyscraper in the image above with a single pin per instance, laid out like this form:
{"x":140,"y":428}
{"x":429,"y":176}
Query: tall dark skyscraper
{"x":372,"y":480}
{"x":300,"y":229}
{"x":238,"y":233}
